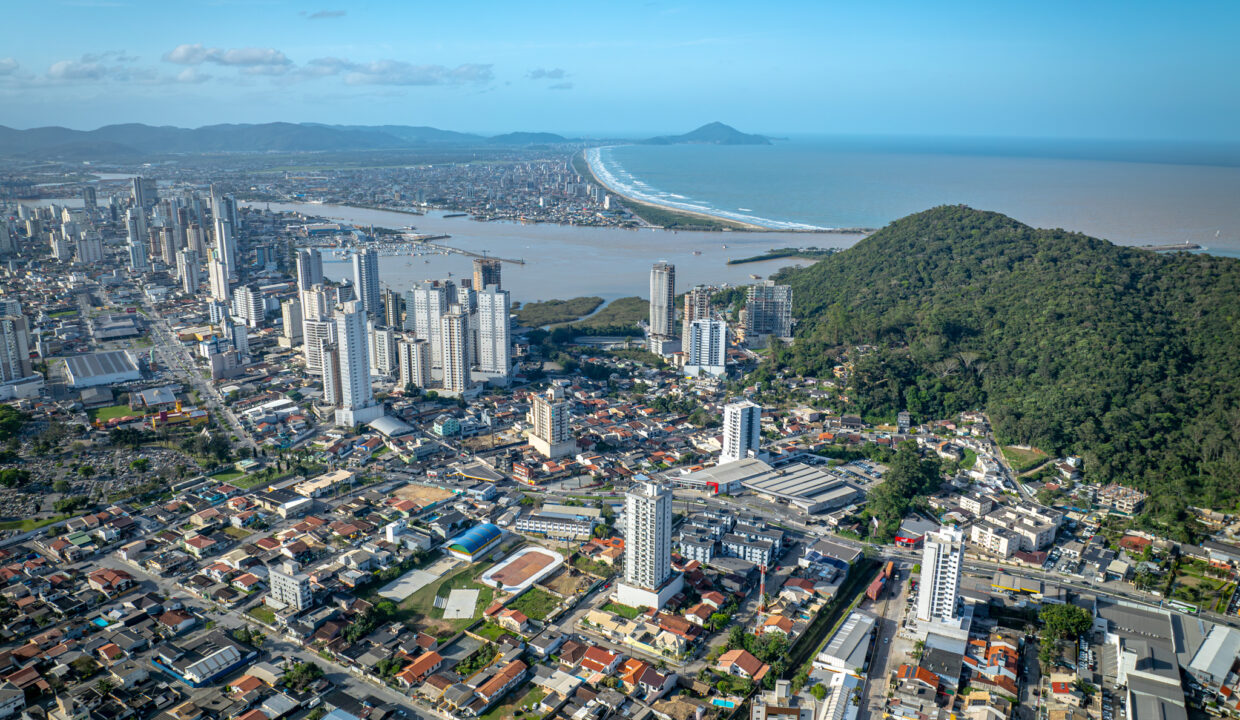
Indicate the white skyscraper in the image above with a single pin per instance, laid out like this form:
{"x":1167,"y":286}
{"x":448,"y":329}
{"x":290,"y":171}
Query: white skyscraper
{"x":413,"y":357}
{"x":427,"y":304}
{"x":941,"y":561}
{"x":316,"y":327}
{"x":14,"y":348}
{"x":226,"y":245}
{"x":382,"y":350}
{"x":309,"y":268}
{"x":550,"y":434}
{"x":357,"y":400}
{"x":494,"y":343}
{"x":330,"y":360}
{"x":662,"y":300}
{"x":707,"y":348}
{"x":217,"y":274}
{"x":290,"y":317}
{"x":648,"y":546}
{"x":697,"y":307}
{"x":366,"y":281}
{"x":249,"y":305}
{"x":240,"y":339}
{"x":187,"y":271}
{"x":742,"y":430}
{"x":454,"y":356}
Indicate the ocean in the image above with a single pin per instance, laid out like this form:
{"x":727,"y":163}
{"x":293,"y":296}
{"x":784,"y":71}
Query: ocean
{"x":838,"y":183}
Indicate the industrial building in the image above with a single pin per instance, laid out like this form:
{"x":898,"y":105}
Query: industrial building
{"x":101,"y":368}
{"x":847,"y":651}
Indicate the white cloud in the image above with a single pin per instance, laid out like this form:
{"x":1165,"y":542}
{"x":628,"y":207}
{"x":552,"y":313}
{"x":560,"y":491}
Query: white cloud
{"x":396,"y":72}
{"x":8,"y":66}
{"x":76,"y":70}
{"x":191,"y":76}
{"x":252,"y":57}
{"x":326,"y":15}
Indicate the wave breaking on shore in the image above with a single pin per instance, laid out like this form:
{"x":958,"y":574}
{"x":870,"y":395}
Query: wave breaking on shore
{"x":623,"y":183}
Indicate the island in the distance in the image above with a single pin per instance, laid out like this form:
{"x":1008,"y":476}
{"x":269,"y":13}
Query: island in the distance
{"x":715,"y":133}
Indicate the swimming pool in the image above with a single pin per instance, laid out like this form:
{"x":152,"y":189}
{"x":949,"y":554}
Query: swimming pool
{"x":101,"y":622}
{"x":723,"y":703}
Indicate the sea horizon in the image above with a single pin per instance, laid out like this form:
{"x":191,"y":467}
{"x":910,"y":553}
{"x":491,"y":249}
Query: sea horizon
{"x":803,"y":185}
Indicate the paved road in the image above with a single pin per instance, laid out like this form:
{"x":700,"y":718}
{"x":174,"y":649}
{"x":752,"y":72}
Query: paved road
{"x":178,"y":360}
{"x":890,"y":612}
{"x":276,"y":647}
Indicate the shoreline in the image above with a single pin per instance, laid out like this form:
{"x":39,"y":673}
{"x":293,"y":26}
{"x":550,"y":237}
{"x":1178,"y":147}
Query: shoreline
{"x":728,"y":223}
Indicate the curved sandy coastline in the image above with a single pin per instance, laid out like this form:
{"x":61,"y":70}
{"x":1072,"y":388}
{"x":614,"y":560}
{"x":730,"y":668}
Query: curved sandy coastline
{"x":603,"y":176}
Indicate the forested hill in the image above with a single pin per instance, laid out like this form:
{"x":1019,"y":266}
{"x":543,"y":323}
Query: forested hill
{"x":1126,"y":357}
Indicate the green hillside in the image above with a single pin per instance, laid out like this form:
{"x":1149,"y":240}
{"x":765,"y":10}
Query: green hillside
{"x":1126,"y":357}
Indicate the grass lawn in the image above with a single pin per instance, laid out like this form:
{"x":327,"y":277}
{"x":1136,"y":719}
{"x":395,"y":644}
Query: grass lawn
{"x":623,"y":611}
{"x":526,"y":702}
{"x":28,"y":524}
{"x":110,"y":412}
{"x":246,"y":482}
{"x":236,"y":532}
{"x":420,"y":609}
{"x":64,"y":313}
{"x":490,"y":631}
{"x":536,"y":603}
{"x":263,"y":614}
{"x":228,"y":477}
{"x":1021,"y":459}
{"x":970,"y":459}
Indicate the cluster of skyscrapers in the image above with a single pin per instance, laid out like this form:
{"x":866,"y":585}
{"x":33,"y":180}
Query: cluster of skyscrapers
{"x":704,"y":335}
{"x":441,"y":335}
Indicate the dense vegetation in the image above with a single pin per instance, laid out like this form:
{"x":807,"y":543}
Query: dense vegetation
{"x":777,"y":253}
{"x":538,"y":314}
{"x":1072,"y":344}
{"x":621,"y":313}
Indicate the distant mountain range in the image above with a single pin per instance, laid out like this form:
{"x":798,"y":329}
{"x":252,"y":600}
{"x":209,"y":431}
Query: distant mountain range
{"x":134,"y":140}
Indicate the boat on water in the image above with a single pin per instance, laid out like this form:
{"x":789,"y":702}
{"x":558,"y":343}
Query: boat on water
{"x":755,"y":277}
{"x":697,"y":252}
{"x":725,"y":247}
{"x":452,"y":215}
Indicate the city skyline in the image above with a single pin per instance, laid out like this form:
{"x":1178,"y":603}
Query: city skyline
{"x":1061,"y":71}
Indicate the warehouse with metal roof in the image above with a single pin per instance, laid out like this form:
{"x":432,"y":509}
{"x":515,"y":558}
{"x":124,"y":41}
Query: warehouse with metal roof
{"x":812,"y":489}
{"x":101,"y":368}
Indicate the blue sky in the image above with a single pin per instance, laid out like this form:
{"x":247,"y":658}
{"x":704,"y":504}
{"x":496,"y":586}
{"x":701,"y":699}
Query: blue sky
{"x":1123,"y":70}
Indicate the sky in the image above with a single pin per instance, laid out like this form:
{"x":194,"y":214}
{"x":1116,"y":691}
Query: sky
{"x":1128,"y":70}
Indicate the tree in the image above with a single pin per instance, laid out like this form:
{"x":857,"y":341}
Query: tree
{"x":737,"y":638}
{"x":60,"y":486}
{"x":85,"y":470}
{"x":12,"y":477}
{"x":819,"y":692}
{"x":104,"y":687}
{"x":140,"y":464}
{"x":1065,"y":621}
